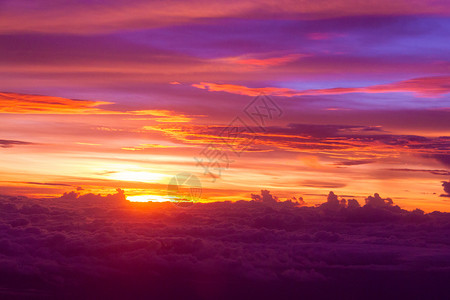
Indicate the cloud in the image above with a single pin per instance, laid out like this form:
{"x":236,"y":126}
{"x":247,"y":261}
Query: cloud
{"x":14,"y":103}
{"x":119,"y":197}
{"x":243,"y":90}
{"x":146,"y":146}
{"x":48,"y":17}
{"x":376,"y":201}
{"x":332,"y":203}
{"x":84,"y":245}
{"x":322,"y":184}
{"x":423,"y":87}
{"x":446,"y":185}
{"x":12,"y":143}
{"x":162,"y":115}
{"x":443,"y":158}
{"x":47,"y":183}
{"x":369,"y":142}
{"x":262,"y":62}
{"x":353,"y":162}
{"x":434,"y":172}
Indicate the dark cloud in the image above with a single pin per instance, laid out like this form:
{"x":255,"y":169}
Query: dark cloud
{"x":322,"y":184}
{"x":434,"y":172}
{"x":321,"y":131}
{"x":12,"y":143}
{"x":353,"y":162}
{"x":47,"y":183}
{"x":376,"y":201}
{"x":443,"y":158}
{"x":92,"y":246}
{"x":369,"y":142}
{"x":446,"y":185}
{"x":268,"y":199}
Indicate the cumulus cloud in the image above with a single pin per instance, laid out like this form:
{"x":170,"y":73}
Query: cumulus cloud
{"x":446,"y":185}
{"x":79,"y":246}
{"x":377,"y":201}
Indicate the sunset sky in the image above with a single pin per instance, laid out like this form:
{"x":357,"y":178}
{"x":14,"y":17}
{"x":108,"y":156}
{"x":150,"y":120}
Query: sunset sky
{"x":96,"y":97}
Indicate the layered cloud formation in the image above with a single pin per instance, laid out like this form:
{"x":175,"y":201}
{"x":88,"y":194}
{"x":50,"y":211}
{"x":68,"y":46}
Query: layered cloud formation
{"x":46,"y":16}
{"x":78,"y":246}
{"x":431,"y":86}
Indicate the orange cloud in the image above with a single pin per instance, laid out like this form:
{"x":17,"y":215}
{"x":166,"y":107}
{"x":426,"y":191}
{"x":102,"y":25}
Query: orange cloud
{"x":264,"y":62}
{"x":345,"y":143}
{"x":163,"y":115}
{"x":146,"y":146}
{"x":14,"y":103}
{"x":243,"y":90}
{"x":424,"y":87}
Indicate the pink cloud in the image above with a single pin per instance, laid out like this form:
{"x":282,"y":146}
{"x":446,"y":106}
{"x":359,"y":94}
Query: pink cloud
{"x":47,"y":16}
{"x":319,"y":36}
{"x":423,"y":87}
{"x":265,"y":62}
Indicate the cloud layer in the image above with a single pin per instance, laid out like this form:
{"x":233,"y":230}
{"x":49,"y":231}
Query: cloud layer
{"x":431,"y":86}
{"x":45,"y":16}
{"x":79,"y":246}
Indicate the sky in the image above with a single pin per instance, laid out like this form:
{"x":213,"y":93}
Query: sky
{"x":299,"y":97}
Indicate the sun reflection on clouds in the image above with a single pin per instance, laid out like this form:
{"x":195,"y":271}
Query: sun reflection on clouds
{"x":148,"y":198}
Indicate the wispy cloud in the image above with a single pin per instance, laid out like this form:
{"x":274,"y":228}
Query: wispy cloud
{"x":12,"y":143}
{"x":339,"y":141}
{"x":262,"y":62}
{"x":423,"y":87}
{"x":46,"y":16}
{"x":14,"y":103}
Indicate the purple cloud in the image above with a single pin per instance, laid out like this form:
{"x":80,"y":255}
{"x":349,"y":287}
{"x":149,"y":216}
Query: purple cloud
{"x":76,"y":246}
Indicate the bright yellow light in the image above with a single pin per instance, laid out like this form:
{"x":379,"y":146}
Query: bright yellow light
{"x":137,"y":176}
{"x":147,"y":198}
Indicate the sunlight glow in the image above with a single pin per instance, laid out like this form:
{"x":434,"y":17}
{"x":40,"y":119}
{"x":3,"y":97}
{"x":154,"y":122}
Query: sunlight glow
{"x":148,"y":198}
{"x":138,"y":176}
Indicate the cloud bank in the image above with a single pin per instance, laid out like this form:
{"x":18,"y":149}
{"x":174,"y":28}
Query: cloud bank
{"x":93,"y":246}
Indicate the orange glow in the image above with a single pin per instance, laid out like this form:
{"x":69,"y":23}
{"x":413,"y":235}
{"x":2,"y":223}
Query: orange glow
{"x":148,"y":198}
{"x":14,"y":103}
{"x":264,"y":62}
